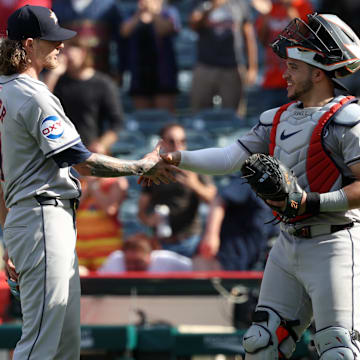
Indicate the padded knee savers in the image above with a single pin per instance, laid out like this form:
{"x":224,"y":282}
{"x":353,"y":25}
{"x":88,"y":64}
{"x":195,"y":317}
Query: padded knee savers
{"x":336,"y":343}
{"x":266,"y":337}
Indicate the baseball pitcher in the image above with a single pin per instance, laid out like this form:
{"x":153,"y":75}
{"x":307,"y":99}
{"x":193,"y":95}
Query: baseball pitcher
{"x":39,"y":145}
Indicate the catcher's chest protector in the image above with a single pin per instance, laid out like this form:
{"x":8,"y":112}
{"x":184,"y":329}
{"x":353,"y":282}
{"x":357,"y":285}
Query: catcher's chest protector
{"x":296,"y":139}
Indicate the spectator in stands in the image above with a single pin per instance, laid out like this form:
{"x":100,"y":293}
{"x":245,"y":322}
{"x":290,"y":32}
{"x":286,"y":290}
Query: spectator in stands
{"x":150,"y":32}
{"x":89,"y":97}
{"x":137,"y":255}
{"x":225,"y":29}
{"x":7,"y":7}
{"x":98,"y":21}
{"x":182,"y":198}
{"x":268,"y":26}
{"x":235,"y":233}
{"x":99,"y":228}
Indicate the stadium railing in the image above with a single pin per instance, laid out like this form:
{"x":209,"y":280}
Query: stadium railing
{"x":162,"y":340}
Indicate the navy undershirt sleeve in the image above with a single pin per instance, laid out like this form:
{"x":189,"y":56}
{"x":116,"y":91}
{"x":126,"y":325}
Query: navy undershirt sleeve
{"x":71,"y":156}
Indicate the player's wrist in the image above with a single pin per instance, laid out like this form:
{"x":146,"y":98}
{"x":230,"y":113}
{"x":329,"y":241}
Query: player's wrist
{"x":312,"y":203}
{"x":327,"y":202}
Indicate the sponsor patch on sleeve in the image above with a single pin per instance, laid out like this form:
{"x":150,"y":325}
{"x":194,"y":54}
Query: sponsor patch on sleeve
{"x":52,"y":127}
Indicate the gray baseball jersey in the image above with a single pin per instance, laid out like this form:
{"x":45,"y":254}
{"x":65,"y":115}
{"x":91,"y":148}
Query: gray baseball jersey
{"x":35,"y":129}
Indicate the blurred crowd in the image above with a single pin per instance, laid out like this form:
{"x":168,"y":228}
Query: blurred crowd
{"x":195,"y":73}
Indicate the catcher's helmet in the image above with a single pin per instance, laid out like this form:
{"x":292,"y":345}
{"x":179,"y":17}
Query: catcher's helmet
{"x":325,"y":42}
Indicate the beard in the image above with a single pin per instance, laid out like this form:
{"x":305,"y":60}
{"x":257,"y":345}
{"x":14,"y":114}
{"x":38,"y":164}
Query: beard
{"x":51,"y":63}
{"x":301,"y":89}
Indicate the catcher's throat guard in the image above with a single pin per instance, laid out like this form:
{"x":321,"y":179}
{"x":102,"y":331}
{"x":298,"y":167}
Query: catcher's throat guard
{"x":272,"y":180}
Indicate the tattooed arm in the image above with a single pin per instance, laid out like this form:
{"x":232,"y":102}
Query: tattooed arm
{"x":106,"y":166}
{"x":151,"y":166}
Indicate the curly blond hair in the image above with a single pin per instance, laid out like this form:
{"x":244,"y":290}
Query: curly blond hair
{"x":12,"y":57}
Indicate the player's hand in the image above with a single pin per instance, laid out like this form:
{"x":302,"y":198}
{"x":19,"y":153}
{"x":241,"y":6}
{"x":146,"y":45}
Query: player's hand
{"x":172,"y":158}
{"x":282,"y":204}
{"x":9,"y":267}
{"x":159,"y":170}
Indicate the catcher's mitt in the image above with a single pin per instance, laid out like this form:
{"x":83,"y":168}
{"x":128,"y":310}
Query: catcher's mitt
{"x":272,"y":180}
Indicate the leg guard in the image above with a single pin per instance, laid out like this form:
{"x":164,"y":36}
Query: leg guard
{"x":269,"y":337}
{"x":337,"y":343}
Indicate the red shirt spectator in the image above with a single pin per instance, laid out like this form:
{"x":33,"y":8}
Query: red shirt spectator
{"x":7,"y":7}
{"x":269,"y":27}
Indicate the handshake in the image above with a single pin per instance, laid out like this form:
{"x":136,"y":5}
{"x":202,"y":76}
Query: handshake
{"x":159,"y":167}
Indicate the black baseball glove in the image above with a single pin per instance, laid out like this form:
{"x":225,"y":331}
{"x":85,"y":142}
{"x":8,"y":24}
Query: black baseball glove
{"x":272,"y":180}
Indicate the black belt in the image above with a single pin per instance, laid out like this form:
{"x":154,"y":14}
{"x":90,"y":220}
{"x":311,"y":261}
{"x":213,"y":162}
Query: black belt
{"x":44,"y":200}
{"x":310,"y":231}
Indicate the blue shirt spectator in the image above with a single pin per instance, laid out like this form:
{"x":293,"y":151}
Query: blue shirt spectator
{"x":236,"y":232}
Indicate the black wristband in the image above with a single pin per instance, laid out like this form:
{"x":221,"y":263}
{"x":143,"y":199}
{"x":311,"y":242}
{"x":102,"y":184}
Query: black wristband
{"x":312,"y":203}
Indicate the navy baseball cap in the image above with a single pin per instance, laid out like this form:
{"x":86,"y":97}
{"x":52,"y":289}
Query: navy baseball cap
{"x":36,"y":22}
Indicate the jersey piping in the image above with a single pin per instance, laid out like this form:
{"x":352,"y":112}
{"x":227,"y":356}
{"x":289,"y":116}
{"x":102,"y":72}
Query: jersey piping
{"x":63,"y":147}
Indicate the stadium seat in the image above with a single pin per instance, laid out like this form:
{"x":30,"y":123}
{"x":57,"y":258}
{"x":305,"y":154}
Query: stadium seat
{"x":148,"y":121}
{"x":222,"y":140}
{"x":129,"y":144}
{"x":128,"y":6}
{"x":216,"y":121}
{"x":128,"y":217}
{"x":199,"y":139}
{"x":185,"y":48}
{"x":185,"y":8}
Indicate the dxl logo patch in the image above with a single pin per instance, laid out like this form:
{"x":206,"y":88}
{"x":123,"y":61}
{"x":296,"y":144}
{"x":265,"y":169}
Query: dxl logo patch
{"x":51,"y":127}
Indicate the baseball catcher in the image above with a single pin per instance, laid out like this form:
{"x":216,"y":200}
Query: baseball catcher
{"x":313,"y":269}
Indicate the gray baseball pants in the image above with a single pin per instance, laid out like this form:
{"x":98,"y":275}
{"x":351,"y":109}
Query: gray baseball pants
{"x":41,"y":243}
{"x":315,"y":277}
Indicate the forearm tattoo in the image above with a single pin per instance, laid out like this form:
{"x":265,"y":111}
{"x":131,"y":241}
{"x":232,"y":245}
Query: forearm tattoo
{"x":107,"y":166}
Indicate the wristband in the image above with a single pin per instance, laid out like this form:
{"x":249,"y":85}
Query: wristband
{"x":334,"y":201}
{"x":312,"y":203}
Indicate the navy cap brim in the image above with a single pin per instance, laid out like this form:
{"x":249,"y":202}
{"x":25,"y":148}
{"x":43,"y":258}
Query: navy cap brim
{"x":60,"y":34}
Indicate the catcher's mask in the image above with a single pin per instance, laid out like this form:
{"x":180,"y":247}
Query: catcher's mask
{"x":325,"y":42}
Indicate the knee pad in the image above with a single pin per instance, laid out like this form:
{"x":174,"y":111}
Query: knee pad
{"x":336,"y":343}
{"x":269,"y":337}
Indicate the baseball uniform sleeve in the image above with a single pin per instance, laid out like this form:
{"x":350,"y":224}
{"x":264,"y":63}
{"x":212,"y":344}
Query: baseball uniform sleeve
{"x":351,"y":145}
{"x":257,"y":139}
{"x":78,"y":153}
{"x":44,"y":118}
